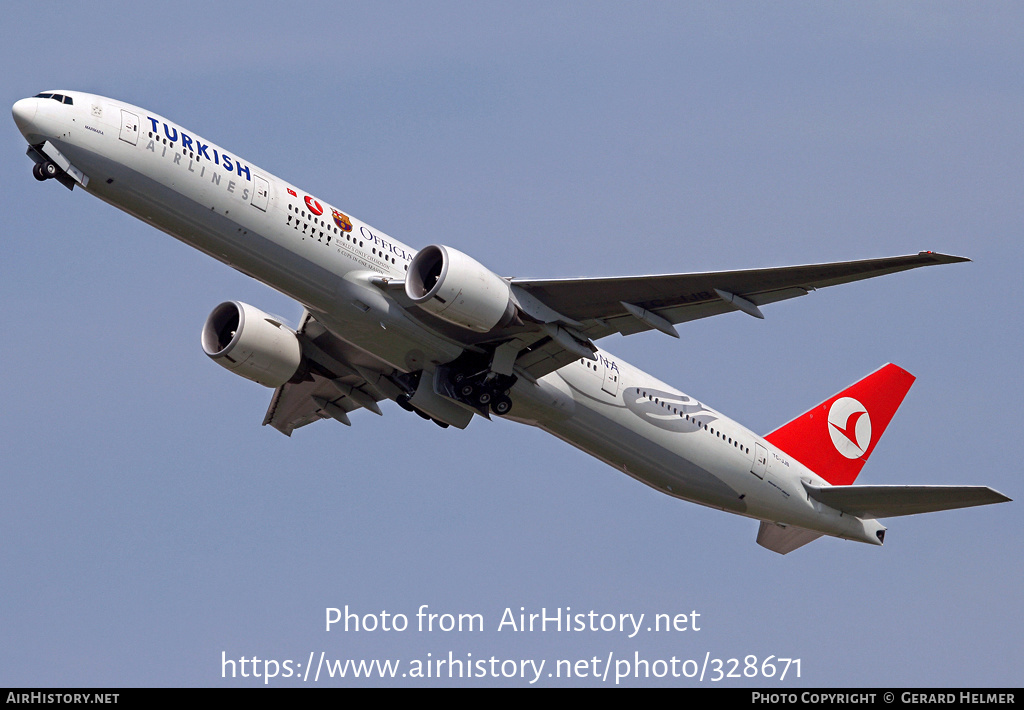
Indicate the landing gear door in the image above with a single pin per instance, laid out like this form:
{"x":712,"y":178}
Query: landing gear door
{"x":129,"y":127}
{"x":760,"y":461}
{"x":261,"y":195}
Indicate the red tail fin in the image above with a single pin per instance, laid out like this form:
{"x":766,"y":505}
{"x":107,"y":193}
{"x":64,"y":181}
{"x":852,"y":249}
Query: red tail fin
{"x":835,"y":438}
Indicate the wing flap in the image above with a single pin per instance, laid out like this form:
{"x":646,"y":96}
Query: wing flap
{"x":296,"y":405}
{"x":893,"y":501}
{"x":544,"y":357}
{"x":336,"y":387}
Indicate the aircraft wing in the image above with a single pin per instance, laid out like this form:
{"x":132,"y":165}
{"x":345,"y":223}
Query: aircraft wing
{"x":893,"y":501}
{"x":633,"y":304}
{"x":561,"y":317}
{"x":333,"y":387}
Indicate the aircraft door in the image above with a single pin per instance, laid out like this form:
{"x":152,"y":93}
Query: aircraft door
{"x":129,"y":127}
{"x":760,"y":461}
{"x":611,"y":380}
{"x":261,"y":195}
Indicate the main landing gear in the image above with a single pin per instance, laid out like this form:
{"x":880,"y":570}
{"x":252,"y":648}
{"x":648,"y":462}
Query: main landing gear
{"x":467,"y":380}
{"x":470,"y":380}
{"x":45,"y":170}
{"x":483,"y":393}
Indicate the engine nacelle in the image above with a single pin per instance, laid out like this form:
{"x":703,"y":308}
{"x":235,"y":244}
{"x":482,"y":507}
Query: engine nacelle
{"x":252,"y":344}
{"x":457,"y":288}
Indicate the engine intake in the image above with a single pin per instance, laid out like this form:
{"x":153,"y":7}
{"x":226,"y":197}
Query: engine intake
{"x":252,"y":344}
{"x":457,"y":288}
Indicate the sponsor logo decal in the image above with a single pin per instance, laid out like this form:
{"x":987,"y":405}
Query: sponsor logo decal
{"x":668,"y":410}
{"x":314,"y":206}
{"x":342,"y":220}
{"x":849,"y":424}
{"x":291,"y":192}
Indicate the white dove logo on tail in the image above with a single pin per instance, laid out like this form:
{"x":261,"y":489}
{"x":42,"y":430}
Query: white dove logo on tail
{"x":850,"y":426}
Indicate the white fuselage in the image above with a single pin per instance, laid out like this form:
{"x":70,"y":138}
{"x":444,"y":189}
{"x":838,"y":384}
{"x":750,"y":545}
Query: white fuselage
{"x":271,"y":230}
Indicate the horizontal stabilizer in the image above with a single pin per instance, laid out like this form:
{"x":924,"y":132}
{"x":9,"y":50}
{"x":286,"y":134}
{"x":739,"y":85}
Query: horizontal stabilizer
{"x":784,"y":539}
{"x":893,"y":501}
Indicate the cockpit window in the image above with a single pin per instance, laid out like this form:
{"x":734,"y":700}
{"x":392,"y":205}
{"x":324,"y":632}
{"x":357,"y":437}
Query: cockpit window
{"x":59,"y":98}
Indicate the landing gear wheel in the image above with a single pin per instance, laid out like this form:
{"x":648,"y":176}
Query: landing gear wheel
{"x":49,"y":169}
{"x":501,"y":405}
{"x":37,"y":172}
{"x":467,"y":390}
{"x":484,"y":398}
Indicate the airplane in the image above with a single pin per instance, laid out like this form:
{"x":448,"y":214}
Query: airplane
{"x":448,"y":339}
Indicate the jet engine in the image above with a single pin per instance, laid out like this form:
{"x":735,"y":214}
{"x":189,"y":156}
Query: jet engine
{"x":252,"y":344}
{"x":457,"y":288}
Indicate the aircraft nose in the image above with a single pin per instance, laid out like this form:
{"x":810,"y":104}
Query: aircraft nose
{"x":24,"y":113}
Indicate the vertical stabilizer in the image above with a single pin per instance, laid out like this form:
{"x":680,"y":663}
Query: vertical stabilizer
{"x":836,"y":438}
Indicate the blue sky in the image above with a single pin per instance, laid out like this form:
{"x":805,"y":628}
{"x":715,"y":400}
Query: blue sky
{"x":148,"y":523}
